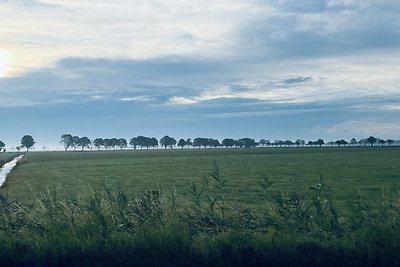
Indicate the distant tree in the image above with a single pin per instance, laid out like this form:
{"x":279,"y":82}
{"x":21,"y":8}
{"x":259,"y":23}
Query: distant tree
{"x":262,"y":142}
{"x":67,"y":141}
{"x":239,"y":143}
{"x":353,"y":141}
{"x":2,"y":145}
{"x":147,"y":142}
{"x":27,"y":141}
{"x":75,"y":142}
{"x":143,"y":141}
{"x":107,"y":143}
{"x":310,"y":143}
{"x":288,"y":143}
{"x":381,"y":142}
{"x":371,"y":140}
{"x":189,"y":142}
{"x":84,"y":142}
{"x":98,"y":142}
{"x":277,"y":143}
{"x":167,"y":141}
{"x":153,"y":142}
{"x":198,"y":142}
{"x":182,"y":143}
{"x":122,"y":143}
{"x":300,"y":142}
{"x":114,"y":143}
{"x":133,"y":142}
{"x":18,"y":148}
{"x":201,"y":141}
{"x":363,"y":142}
{"x":320,"y":142}
{"x":228,"y":142}
{"x":248,"y":142}
{"x":214,"y":143}
{"x":389,"y":142}
{"x":341,"y":142}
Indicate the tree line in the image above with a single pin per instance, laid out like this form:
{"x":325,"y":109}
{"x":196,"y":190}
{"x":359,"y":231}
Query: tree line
{"x":144,"y":142}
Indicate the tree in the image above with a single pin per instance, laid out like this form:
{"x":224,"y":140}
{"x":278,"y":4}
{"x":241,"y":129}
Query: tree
{"x":107,"y":143}
{"x":247,"y":142}
{"x":167,"y":141}
{"x":213,"y":142}
{"x":381,"y":142}
{"x":371,"y":140}
{"x":239,"y":143}
{"x":182,"y":143}
{"x":341,"y":142}
{"x":143,"y":141}
{"x":279,"y":143}
{"x":27,"y":141}
{"x":133,"y":142}
{"x":262,"y":142}
{"x":122,"y":143}
{"x":289,"y":143}
{"x":228,"y":142}
{"x":2,"y":145}
{"x":67,"y":140}
{"x":84,"y":142}
{"x":310,"y":143}
{"x":153,"y":142}
{"x":198,"y":142}
{"x":389,"y":142}
{"x":353,"y":141}
{"x":320,"y":142}
{"x":114,"y":142}
{"x":300,"y":142}
{"x":147,"y":141}
{"x":98,"y":142}
{"x":189,"y":142}
{"x":75,"y":142}
{"x":363,"y":142}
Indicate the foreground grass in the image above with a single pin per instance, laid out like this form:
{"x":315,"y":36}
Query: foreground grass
{"x":6,"y":157}
{"x":107,"y":227}
{"x":262,"y":207}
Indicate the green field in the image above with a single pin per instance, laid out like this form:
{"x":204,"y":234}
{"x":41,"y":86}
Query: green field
{"x":349,"y":171}
{"x":4,"y":157}
{"x":139,"y":208}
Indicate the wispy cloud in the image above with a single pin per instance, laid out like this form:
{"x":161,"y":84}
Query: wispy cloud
{"x":376,"y":127}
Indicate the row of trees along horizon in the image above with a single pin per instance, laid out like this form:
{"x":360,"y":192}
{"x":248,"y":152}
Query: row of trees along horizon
{"x":70,"y":141}
{"x":142,"y":142}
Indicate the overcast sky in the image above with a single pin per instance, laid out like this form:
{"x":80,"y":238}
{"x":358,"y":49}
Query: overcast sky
{"x":277,"y":69}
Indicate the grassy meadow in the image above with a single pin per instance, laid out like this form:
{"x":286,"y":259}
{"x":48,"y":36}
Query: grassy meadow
{"x":5,"y":157}
{"x":351,"y":172}
{"x":203,"y":207}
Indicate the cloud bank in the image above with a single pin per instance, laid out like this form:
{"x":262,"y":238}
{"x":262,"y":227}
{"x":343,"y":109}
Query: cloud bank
{"x":325,"y":63}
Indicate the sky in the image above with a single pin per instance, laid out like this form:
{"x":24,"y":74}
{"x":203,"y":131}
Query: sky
{"x":272,"y":69}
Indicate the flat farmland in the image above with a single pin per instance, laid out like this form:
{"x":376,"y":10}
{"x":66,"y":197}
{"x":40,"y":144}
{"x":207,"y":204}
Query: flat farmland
{"x":56,"y":211}
{"x":351,"y":172}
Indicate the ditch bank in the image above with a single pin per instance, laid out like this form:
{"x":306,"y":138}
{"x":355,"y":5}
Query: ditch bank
{"x":7,"y":168}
